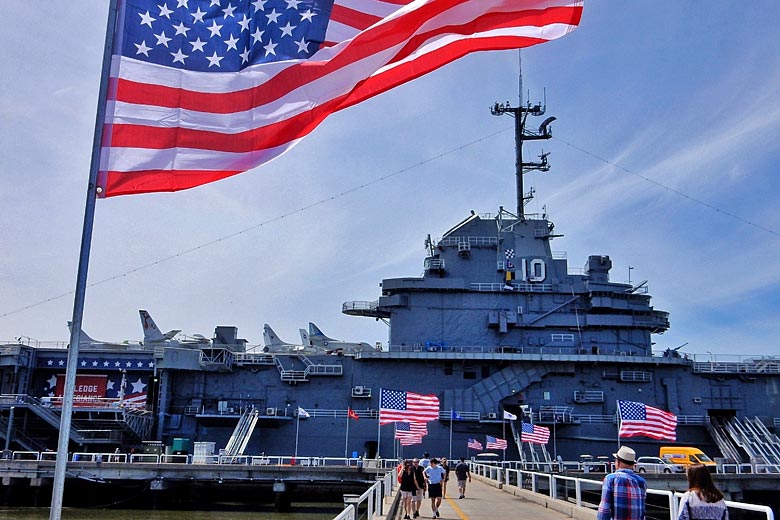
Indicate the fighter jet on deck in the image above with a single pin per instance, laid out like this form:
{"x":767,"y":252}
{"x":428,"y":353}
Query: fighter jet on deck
{"x":317,"y":339}
{"x":86,"y":341}
{"x":154,"y":336}
{"x":274,"y":345}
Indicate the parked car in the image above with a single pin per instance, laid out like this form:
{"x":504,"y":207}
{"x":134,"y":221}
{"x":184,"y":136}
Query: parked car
{"x":657,"y":465}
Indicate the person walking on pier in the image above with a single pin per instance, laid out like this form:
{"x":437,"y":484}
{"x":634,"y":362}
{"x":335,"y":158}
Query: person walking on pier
{"x":462,"y":472}
{"x":702,"y":501}
{"x":408,"y":488}
{"x":419,"y":474}
{"x":623,"y":492}
{"x":434,"y":475}
{"x":445,"y":464}
{"x":426,"y":460}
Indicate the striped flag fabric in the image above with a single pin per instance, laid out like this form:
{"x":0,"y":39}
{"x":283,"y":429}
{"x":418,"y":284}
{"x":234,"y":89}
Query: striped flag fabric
{"x":200,"y":91}
{"x":411,"y":440}
{"x":406,"y":429}
{"x":398,"y":405}
{"x":640,"y":419}
{"x":534,"y":434}
{"x":494,"y":443}
{"x":474,"y":444}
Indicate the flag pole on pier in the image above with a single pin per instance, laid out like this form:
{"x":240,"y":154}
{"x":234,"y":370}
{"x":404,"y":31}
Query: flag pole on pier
{"x":452,"y":418}
{"x":60,"y":468}
{"x":346,"y":438}
{"x":379,"y":424}
{"x":300,"y":413}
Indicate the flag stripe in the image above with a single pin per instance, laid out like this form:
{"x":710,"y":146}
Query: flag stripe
{"x":355,"y":18}
{"x":273,"y":105}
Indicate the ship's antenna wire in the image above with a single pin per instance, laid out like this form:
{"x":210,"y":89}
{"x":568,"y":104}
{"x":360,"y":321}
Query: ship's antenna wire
{"x":669,"y":188}
{"x":272,"y":220}
{"x":383,"y":178}
{"x":577,"y":316}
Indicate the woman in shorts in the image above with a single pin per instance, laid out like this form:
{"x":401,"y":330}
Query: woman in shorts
{"x":408,"y":488}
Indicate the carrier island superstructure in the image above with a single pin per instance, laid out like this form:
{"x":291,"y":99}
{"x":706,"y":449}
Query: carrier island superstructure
{"x":498,"y":321}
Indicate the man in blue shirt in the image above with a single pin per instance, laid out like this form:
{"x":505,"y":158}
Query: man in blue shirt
{"x":623,"y":492}
{"x":434,"y":475}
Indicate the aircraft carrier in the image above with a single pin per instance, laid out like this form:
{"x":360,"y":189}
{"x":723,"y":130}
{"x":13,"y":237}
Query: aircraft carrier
{"x":499,"y":321}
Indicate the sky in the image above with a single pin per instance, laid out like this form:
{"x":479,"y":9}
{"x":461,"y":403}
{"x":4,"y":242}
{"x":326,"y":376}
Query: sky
{"x":665,"y":157}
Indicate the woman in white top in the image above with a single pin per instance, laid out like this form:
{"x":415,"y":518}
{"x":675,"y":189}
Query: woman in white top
{"x":702,"y":501}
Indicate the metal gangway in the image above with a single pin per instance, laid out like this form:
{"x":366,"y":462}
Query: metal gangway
{"x":753,"y":436}
{"x":240,"y":437}
{"x":719,"y":433}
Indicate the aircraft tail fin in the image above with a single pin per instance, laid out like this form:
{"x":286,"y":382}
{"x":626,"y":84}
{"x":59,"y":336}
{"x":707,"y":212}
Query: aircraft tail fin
{"x":152,"y":333}
{"x":270,"y":339}
{"x":315,"y":332}
{"x":83,"y":336}
{"x":305,"y":341}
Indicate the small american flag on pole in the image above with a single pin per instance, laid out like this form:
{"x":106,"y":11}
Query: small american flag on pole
{"x":640,"y":419}
{"x":494,"y":443}
{"x":397,"y":405}
{"x":201,"y":90}
{"x":411,"y":440}
{"x":534,"y":434}
{"x":405,"y":429}
{"x":474,"y":444}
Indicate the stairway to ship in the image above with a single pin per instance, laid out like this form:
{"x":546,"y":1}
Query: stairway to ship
{"x":87,"y":426}
{"x":532,"y":454}
{"x":21,"y":438}
{"x":292,"y":375}
{"x":244,"y":429}
{"x":730,"y":450}
{"x":762,"y":446}
{"x":483,"y":395}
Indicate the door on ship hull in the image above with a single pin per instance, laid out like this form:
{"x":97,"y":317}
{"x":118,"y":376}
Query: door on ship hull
{"x":370,"y":450}
{"x":721,"y":415}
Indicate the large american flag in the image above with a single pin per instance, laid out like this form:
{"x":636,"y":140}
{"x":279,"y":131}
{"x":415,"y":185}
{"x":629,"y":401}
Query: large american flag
{"x":201,"y":90}
{"x":397,"y":405}
{"x":474,"y":444}
{"x":534,"y":434}
{"x":494,"y":443}
{"x":640,"y":419}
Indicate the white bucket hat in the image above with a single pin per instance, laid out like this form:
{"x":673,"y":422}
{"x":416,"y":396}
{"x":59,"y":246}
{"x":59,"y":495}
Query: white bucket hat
{"x":625,"y":454}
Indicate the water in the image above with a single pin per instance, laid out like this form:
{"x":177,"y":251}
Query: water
{"x":306,"y":511}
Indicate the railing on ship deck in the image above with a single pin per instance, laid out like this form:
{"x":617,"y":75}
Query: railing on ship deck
{"x":578,"y":490}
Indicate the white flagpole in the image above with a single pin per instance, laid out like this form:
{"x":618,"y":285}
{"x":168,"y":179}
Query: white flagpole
{"x":379,"y":424}
{"x":297,"y":427}
{"x":619,"y":419}
{"x":346,"y":440}
{"x":60,"y":468}
{"x":452,"y":419}
{"x":503,"y":430}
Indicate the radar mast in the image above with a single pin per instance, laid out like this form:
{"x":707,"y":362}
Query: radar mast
{"x":521,"y":113}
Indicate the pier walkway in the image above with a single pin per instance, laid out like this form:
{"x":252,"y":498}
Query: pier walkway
{"x":484,"y":500}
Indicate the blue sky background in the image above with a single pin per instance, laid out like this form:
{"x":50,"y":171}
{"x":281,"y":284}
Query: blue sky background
{"x":682,"y":96}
